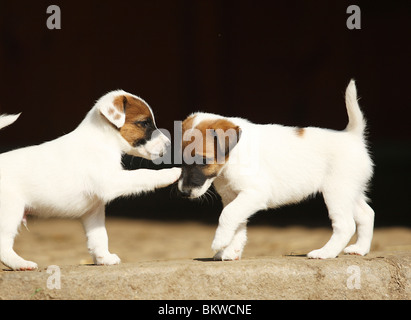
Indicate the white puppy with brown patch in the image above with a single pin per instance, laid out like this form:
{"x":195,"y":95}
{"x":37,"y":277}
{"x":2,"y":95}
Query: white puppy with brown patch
{"x":273,"y":165}
{"x":77,"y":174}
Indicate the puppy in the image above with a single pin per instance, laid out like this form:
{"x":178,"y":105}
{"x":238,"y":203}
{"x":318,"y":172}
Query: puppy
{"x":255,"y":167}
{"x":77,"y":174}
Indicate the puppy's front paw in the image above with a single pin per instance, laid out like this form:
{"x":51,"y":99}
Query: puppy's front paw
{"x":25,"y":266}
{"x":107,"y":260}
{"x":168,"y":176}
{"x":356,"y":250}
{"x":17,"y":263}
{"x":321,"y":254}
{"x":221,"y":239}
{"x":228,"y":254}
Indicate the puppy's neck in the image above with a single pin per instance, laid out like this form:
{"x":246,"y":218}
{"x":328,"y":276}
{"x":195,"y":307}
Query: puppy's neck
{"x":96,"y":127}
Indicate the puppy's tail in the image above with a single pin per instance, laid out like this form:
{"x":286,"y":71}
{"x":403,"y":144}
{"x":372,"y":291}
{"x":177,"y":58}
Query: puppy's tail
{"x":356,"y":121}
{"x":7,"y":119}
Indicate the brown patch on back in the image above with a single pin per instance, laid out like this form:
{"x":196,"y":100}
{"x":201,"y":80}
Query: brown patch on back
{"x":136,"y":110}
{"x":300,"y":132}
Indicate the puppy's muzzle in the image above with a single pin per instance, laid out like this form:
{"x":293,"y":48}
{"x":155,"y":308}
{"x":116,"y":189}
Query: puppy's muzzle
{"x":158,"y":145}
{"x":185,"y":193}
{"x":166,"y":148}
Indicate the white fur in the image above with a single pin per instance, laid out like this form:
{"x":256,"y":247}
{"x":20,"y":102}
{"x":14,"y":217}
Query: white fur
{"x":74,"y":176}
{"x":272,"y":166}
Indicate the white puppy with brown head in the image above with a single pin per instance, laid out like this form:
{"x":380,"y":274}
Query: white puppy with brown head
{"x":78,"y":173}
{"x":255,"y":167}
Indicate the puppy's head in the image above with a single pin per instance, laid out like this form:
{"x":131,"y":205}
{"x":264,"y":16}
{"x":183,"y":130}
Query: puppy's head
{"x":134,"y":121}
{"x":207,"y":143}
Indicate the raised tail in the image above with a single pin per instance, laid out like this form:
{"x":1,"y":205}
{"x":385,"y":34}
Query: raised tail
{"x":356,"y":121}
{"x":7,"y":119}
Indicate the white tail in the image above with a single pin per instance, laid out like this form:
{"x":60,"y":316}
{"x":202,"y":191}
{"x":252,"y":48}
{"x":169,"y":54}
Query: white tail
{"x":356,"y":121}
{"x":7,"y":119}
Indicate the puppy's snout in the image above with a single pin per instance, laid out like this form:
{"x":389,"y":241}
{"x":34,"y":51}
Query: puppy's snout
{"x":166,"y":146}
{"x":167,"y":143}
{"x":185,"y":193}
{"x":165,"y":140}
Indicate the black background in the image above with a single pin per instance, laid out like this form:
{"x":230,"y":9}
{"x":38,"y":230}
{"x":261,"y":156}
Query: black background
{"x":282,"y":62}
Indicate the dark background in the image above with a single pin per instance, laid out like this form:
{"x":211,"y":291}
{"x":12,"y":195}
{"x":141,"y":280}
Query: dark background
{"x":282,"y":62}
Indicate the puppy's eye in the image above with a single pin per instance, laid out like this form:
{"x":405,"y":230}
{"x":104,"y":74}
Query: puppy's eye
{"x":143,"y":123}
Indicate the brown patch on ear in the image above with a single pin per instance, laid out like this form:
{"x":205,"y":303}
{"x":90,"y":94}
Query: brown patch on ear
{"x":114,"y":112}
{"x":136,"y":110}
{"x":300,"y":132}
{"x":120,"y":103}
{"x":219,"y":138}
{"x":188,"y":125}
{"x":228,"y":135}
{"x":212,"y":140}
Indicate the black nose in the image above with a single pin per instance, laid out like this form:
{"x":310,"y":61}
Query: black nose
{"x":185,"y":193}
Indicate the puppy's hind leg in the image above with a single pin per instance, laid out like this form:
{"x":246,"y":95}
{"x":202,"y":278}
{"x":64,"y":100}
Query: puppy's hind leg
{"x":11,"y":215}
{"x":341,"y":211}
{"x":364,"y":218}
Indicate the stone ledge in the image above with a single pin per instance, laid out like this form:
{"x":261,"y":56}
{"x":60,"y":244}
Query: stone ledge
{"x":381,"y":275}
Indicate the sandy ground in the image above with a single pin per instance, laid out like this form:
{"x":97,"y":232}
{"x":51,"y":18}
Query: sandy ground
{"x":62,"y":242}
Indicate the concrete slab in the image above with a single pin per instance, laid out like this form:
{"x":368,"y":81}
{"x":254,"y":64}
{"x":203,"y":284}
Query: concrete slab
{"x":380,"y":275}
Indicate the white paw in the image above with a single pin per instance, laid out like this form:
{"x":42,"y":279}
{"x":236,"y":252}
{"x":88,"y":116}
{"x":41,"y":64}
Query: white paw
{"x":356,"y":250}
{"x":221,"y":239}
{"x":321,"y":254}
{"x":168,"y":176}
{"x":175,"y":173}
{"x":228,"y":254}
{"x":108,"y":260}
{"x":19,"y":264}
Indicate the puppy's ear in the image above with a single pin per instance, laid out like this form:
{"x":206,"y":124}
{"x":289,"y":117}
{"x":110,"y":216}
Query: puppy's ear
{"x":115,"y":112}
{"x":227,"y":135}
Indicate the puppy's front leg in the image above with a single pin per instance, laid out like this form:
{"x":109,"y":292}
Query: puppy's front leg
{"x":97,"y":240}
{"x":233,"y":216}
{"x":125,"y":183}
{"x":235,"y":249}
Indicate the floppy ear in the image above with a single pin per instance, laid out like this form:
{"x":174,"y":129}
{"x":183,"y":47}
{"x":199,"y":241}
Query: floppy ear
{"x":227,"y":135}
{"x":115,"y":112}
